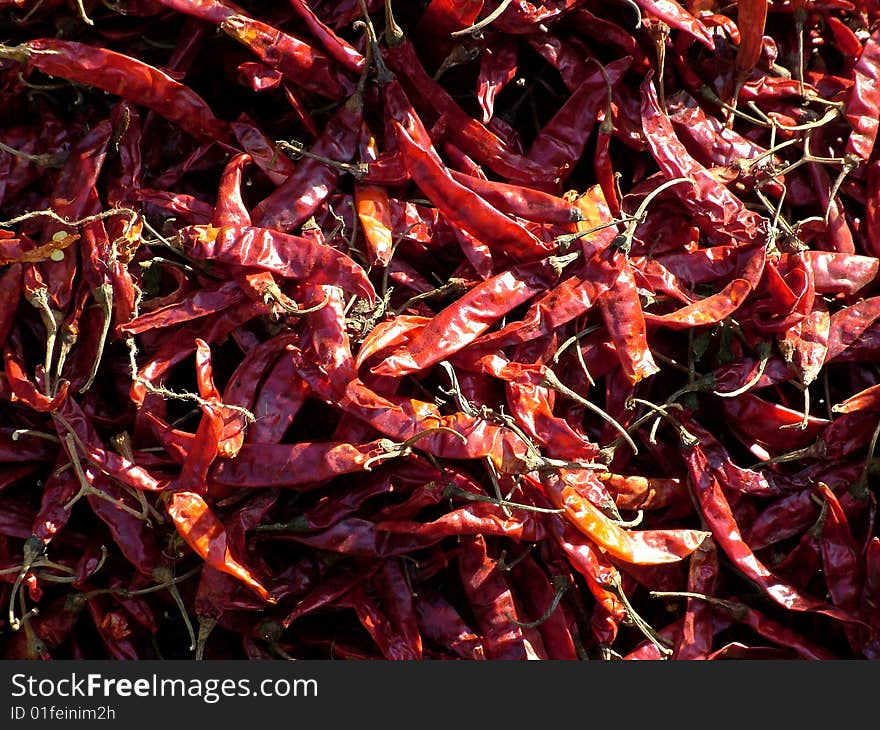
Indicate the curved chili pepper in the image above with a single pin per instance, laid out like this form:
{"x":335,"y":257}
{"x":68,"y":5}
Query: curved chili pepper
{"x":202,"y":302}
{"x":297,"y":60}
{"x":441,"y":624}
{"x":459,"y":204}
{"x":560,"y":143}
{"x":841,"y":560}
{"x":126,"y":77}
{"x":716,"y":513}
{"x":863,"y":100}
{"x":205,"y":534}
{"x":474,"y":519}
{"x":471,"y":315}
{"x":433,"y":100}
{"x":493,"y":604}
{"x":520,"y":201}
{"x":715,"y":208}
{"x":342,"y":51}
{"x":277,"y":167}
{"x":288,"y":256}
{"x":291,"y":204}
{"x":641,"y":547}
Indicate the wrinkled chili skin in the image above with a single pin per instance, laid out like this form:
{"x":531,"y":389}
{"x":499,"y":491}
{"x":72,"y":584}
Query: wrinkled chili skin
{"x":129,"y":78}
{"x":863,"y":101}
{"x":550,"y":338}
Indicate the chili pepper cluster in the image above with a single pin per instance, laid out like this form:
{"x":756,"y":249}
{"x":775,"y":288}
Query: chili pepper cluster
{"x":441,"y":330}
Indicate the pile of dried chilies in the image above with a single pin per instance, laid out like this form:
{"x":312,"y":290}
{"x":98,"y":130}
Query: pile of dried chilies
{"x":468,"y":329}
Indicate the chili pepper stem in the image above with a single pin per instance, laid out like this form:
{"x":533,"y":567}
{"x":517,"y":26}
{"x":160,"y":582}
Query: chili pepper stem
{"x":816,"y":450}
{"x":393,"y":33}
{"x":206,"y":626}
{"x":19,"y":432}
{"x":730,"y":605}
{"x":33,"y":548}
{"x":358,"y":170}
{"x":860,"y":488}
{"x":496,"y":486}
{"x":561,"y":584}
{"x":662,"y":645}
{"x":39,"y":299}
{"x":81,"y":11}
{"x":503,"y":564}
{"x":687,"y":438}
{"x":550,"y":379}
{"x":19,"y":54}
{"x":383,"y":74}
{"x":624,"y":241}
{"x":454,"y":287}
{"x":848,"y":167}
{"x":54,"y":159}
{"x":66,"y":222}
{"x":660,"y":33}
{"x":474,"y":30}
{"x":800,"y":17}
{"x":178,"y":599}
{"x":452,"y":489}
{"x":104,"y":296}
{"x":457,"y":56}
{"x":186,"y":395}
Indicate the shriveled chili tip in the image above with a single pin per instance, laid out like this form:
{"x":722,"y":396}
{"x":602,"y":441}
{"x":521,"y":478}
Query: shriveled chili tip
{"x":205,"y":534}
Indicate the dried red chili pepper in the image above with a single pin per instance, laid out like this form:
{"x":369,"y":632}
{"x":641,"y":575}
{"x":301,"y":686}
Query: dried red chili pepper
{"x":493,"y":604}
{"x":123,"y":76}
{"x":205,"y":534}
{"x":442,"y":625}
{"x":288,"y":256}
{"x":863,"y":100}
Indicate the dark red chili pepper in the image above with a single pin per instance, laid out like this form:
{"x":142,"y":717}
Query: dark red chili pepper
{"x":471,"y":315}
{"x":123,"y":76}
{"x":698,"y":628}
{"x":716,"y":210}
{"x":459,"y":204}
{"x":297,"y":60}
{"x":560,"y":143}
{"x":521,"y":201}
{"x":291,"y":204}
{"x":442,"y":625}
{"x":288,"y":256}
{"x":493,"y":604}
{"x":841,"y":560}
{"x":337,"y":47}
{"x":472,"y":137}
{"x":863,"y":100}
{"x":277,"y":167}
{"x":716,"y":513}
